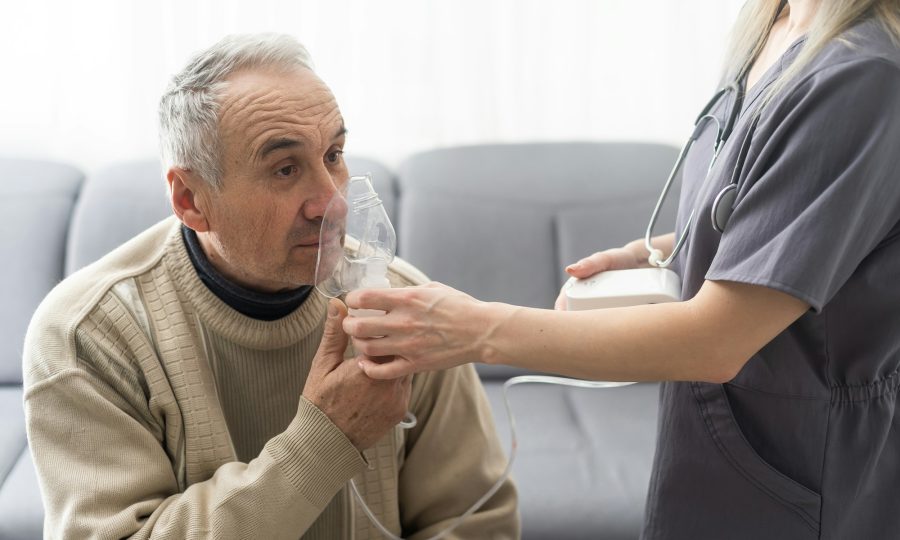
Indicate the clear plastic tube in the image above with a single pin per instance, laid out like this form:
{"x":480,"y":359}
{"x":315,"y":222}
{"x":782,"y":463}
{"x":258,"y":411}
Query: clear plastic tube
{"x":524,"y":379}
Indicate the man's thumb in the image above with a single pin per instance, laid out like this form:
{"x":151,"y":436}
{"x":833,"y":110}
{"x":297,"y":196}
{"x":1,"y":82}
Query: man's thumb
{"x":334,"y":340}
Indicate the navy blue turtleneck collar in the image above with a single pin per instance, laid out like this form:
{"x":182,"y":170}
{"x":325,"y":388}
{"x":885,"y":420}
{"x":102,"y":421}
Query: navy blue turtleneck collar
{"x":262,"y":306}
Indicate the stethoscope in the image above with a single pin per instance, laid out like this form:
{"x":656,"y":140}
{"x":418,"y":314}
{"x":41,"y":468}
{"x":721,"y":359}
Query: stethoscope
{"x":723,"y":205}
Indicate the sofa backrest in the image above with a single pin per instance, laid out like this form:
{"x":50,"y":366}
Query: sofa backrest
{"x":502,"y":221}
{"x":116,"y":203}
{"x":36,"y":199}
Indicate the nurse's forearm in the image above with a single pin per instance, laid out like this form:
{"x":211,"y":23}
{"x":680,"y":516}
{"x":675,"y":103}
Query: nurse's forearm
{"x":641,"y":343}
{"x":708,"y":338}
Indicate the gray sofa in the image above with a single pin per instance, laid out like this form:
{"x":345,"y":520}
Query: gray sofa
{"x":498,"y":221}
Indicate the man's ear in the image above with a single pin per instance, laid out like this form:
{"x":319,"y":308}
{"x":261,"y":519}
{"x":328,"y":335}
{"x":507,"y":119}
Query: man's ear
{"x":188,"y":193}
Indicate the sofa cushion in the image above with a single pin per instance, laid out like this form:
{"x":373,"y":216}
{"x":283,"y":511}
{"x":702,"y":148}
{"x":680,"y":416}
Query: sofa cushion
{"x":12,"y":428}
{"x":584,"y":457}
{"x":21,"y":509}
{"x":36,"y":199}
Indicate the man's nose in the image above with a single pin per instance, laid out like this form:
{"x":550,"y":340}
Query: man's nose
{"x":324,"y":189}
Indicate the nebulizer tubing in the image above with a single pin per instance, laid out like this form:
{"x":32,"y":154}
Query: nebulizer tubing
{"x":355,"y":219}
{"x":513,"y":450}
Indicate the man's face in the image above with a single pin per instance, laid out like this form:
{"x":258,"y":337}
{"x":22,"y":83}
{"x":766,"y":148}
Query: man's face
{"x":282,"y":142}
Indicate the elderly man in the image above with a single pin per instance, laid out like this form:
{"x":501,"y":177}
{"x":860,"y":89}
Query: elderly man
{"x":190,"y":383}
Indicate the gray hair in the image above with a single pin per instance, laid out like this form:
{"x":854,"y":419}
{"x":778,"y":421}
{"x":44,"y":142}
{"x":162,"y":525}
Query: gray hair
{"x":188,"y":110}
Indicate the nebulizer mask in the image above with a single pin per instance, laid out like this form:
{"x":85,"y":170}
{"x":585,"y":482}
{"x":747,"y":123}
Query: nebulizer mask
{"x":356,"y":242}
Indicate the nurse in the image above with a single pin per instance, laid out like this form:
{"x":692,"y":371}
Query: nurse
{"x":780,"y":416}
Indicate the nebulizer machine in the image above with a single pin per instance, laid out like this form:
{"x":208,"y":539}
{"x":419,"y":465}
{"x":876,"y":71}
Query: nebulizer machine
{"x":356,"y":244}
{"x":658,"y":284}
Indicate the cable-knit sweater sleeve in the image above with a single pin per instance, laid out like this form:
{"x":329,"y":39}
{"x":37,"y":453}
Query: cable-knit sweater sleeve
{"x":105,"y":474}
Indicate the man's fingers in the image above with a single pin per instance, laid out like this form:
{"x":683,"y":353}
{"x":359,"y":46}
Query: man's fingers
{"x":406,"y":383}
{"x":398,"y":367}
{"x":334,"y":340}
{"x":374,"y":359}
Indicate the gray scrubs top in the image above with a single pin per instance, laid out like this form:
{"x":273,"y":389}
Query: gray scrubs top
{"x":805,"y":441}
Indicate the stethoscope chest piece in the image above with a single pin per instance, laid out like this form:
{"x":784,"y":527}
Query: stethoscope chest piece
{"x":722,"y":207}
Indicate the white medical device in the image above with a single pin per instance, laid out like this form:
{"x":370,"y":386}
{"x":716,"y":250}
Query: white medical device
{"x":620,"y":288}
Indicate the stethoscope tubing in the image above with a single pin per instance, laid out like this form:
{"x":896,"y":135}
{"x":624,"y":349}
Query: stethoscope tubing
{"x":723,"y":132}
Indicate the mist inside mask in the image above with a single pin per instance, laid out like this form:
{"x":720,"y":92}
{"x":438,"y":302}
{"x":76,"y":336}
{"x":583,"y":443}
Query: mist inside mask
{"x":356,"y":241}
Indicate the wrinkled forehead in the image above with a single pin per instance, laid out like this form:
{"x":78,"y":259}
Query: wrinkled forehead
{"x":261,"y":105}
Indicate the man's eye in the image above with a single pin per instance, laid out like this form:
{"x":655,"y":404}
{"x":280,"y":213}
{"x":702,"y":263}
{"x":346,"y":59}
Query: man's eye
{"x":287,"y":171}
{"x":334,"y":157}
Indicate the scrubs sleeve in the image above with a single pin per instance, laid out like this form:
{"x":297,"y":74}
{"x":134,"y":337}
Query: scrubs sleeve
{"x":823,"y":190}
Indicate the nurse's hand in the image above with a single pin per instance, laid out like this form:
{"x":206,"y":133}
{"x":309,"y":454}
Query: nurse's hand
{"x":426,"y":328}
{"x":632,"y":255}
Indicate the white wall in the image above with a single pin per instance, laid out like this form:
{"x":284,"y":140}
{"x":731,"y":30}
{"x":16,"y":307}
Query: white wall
{"x":79,"y":81}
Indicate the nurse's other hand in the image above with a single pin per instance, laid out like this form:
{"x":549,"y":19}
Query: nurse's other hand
{"x":425,"y":328}
{"x":632,"y":255}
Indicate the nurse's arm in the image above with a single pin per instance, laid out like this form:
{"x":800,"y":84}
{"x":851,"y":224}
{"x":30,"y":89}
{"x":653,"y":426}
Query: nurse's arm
{"x":708,"y":338}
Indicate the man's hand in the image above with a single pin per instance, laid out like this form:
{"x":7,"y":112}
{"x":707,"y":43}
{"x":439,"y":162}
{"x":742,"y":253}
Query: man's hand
{"x":363,"y":408}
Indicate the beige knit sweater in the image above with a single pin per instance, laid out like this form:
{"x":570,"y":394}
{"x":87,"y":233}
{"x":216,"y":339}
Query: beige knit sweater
{"x":154,"y":410}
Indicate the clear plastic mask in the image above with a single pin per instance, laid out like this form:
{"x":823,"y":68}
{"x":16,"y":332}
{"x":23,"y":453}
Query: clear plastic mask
{"x":354,"y":219}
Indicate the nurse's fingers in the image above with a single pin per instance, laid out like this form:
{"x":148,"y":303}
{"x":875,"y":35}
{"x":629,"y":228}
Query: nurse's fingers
{"x":382,"y":346}
{"x":396,"y":368}
{"x":380,"y":299}
{"x":610,"y":259}
{"x":377,"y":325}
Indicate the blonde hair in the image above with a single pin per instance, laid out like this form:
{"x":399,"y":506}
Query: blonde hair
{"x":832,"y":18}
